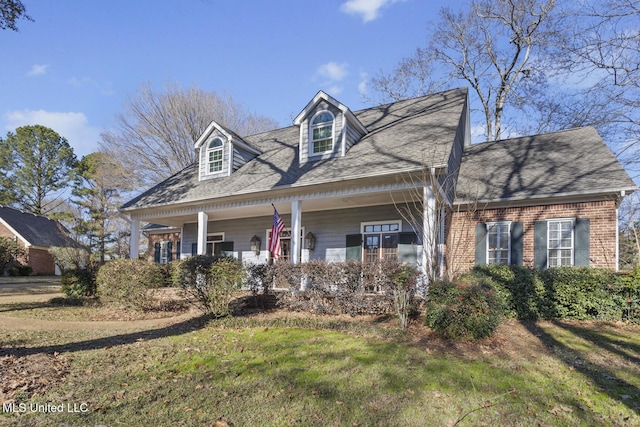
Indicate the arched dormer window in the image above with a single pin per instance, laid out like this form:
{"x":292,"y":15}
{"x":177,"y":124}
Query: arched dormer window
{"x":214,"y":155}
{"x":321,"y":133}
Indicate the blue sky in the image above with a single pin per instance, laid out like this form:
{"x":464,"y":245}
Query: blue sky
{"x":77,"y":64}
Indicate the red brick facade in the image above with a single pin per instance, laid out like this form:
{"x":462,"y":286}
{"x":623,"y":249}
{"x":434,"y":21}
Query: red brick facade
{"x":602,"y":235}
{"x":154,"y":238}
{"x":39,"y":259}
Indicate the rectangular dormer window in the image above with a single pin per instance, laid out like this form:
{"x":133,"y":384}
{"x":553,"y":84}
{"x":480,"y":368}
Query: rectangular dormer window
{"x":321,"y":138}
{"x":214,"y":155}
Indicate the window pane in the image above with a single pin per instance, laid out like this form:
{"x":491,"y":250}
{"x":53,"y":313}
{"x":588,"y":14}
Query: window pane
{"x":322,"y":132}
{"x":393,"y":227}
{"x":322,"y":145}
{"x":372,"y":242}
{"x":389,"y":240}
{"x":322,"y":118}
{"x":493,"y":241}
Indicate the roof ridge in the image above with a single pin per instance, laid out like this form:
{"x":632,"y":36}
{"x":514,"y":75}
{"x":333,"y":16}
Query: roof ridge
{"x":546,"y":134}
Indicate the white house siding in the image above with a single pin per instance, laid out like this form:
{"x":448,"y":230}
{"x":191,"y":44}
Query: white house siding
{"x":352,"y":136}
{"x":330,"y":229}
{"x":240,"y":157}
{"x":337,"y":132}
{"x":225,"y":157}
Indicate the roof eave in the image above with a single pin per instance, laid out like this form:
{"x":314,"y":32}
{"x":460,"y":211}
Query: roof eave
{"x":554,"y":196}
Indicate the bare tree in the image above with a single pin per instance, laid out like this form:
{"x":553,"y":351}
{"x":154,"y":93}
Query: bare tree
{"x":489,"y":47}
{"x":154,"y":137}
{"x":601,"y":45}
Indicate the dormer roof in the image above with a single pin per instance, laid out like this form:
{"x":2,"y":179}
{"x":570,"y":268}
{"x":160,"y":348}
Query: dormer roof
{"x":323,"y":96}
{"x":231,"y":136}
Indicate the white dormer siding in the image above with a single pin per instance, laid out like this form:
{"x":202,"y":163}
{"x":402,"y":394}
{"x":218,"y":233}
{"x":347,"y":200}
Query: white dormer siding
{"x":221,"y":152}
{"x":327,"y":129}
{"x":214,"y":161}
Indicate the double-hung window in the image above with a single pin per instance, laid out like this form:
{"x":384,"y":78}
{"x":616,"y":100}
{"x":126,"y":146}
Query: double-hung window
{"x":214,"y":155}
{"x":499,"y":243}
{"x":321,"y":133}
{"x":560,"y":242}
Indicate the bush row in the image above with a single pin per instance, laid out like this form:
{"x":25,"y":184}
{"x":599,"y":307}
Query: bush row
{"x":566,"y":292}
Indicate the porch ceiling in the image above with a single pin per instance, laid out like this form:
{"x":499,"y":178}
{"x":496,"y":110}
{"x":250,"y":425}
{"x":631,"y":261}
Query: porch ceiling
{"x":263,"y":208}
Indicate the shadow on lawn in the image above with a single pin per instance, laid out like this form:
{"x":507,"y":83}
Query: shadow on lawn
{"x":183,"y":327}
{"x":599,"y":374}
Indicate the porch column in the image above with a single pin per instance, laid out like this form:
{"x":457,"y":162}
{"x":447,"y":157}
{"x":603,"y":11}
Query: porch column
{"x":429,"y":232}
{"x":296,"y":228}
{"x":134,"y":240}
{"x":203,"y":218}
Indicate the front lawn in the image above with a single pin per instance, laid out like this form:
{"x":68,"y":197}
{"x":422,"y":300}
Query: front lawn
{"x":282,"y":369}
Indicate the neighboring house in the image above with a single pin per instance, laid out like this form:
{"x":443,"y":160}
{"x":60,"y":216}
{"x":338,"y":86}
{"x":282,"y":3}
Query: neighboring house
{"x":341,"y":180}
{"x":36,"y":234}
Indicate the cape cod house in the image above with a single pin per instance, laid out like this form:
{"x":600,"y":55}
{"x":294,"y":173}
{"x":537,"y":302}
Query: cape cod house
{"x":397,"y":180}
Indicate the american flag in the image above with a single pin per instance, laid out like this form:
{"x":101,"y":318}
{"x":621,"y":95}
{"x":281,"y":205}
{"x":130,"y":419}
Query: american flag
{"x":274,"y":241}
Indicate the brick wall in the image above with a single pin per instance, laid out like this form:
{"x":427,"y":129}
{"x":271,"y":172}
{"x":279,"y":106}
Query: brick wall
{"x":41,"y":261}
{"x":602,"y":234}
{"x":164,"y":237}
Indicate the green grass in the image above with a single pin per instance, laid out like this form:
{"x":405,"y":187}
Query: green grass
{"x":326,"y":372}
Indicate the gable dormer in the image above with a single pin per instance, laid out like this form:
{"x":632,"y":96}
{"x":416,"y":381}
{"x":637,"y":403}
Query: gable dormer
{"x":327,"y":129}
{"x":221,"y":152}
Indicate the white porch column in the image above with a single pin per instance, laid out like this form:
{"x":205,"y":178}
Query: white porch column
{"x":296,"y":228}
{"x":134,"y":240}
{"x":429,"y":231}
{"x":203,"y":218}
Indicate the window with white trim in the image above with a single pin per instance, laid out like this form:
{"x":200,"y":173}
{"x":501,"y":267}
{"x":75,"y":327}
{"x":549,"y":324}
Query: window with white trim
{"x":321,"y":133}
{"x":380,"y":240}
{"x":214,"y":243}
{"x":164,"y":252}
{"x":560,"y":242}
{"x":214,"y":155}
{"x":499,"y":242}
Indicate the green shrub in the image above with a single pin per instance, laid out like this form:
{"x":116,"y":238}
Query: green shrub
{"x":24,"y":270}
{"x":463,"y":311}
{"x":128,"y":281}
{"x":78,"y":283}
{"x":209,"y":283}
{"x":582,"y":293}
{"x":524,"y":293}
{"x":563,"y":292}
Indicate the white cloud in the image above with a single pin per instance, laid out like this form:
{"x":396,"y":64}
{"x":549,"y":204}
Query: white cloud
{"x":333,"y":71}
{"x":362,"y":86}
{"x":334,"y":90}
{"x":70,"y":125}
{"x":368,"y":9}
{"x":37,"y":70}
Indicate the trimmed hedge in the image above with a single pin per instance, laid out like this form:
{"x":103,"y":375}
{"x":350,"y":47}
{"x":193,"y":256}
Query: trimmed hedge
{"x":128,"y":281}
{"x":580,"y":293}
{"x":463,"y":310}
{"x":209,"y":282}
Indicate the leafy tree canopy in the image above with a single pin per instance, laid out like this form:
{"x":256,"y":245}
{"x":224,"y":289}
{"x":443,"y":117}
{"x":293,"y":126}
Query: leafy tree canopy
{"x":36,"y":162}
{"x":10,"y":12}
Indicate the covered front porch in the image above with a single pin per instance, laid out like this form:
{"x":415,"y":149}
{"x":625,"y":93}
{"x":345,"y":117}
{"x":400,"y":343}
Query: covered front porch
{"x":357,"y":223}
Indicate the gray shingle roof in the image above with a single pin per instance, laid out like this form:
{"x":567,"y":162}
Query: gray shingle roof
{"x":400,"y":136}
{"x":35,"y":229}
{"x":571,"y":162}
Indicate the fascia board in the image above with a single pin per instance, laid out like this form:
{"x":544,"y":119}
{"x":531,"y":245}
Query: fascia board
{"x":15,"y":233}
